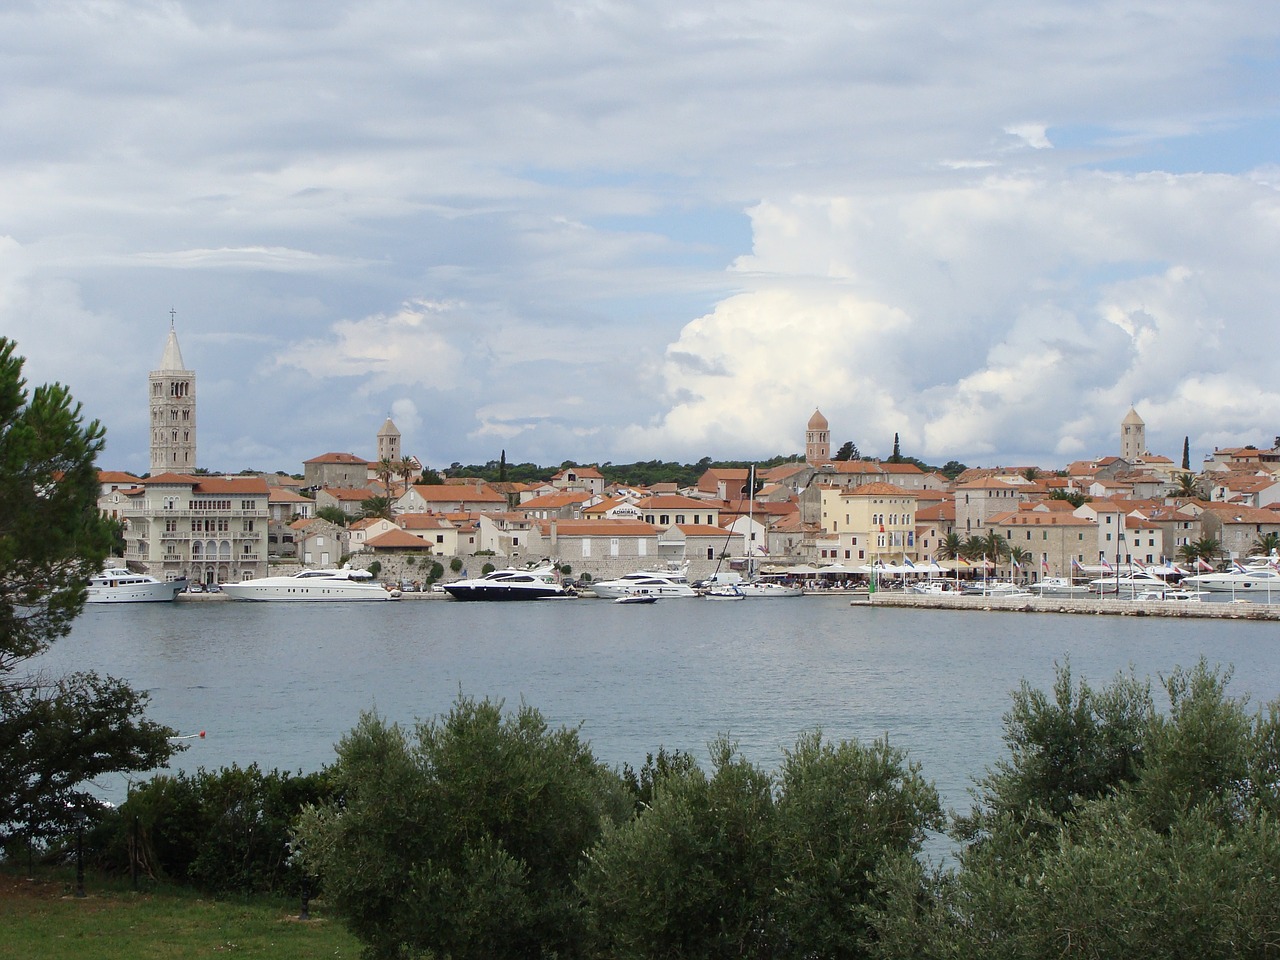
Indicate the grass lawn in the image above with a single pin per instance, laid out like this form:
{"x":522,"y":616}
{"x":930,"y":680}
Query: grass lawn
{"x":41,"y":919}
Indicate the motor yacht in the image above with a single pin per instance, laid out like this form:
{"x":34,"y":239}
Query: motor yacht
{"x":540,"y":584}
{"x":1058,"y":587}
{"x":344,"y":584}
{"x":1260,"y":576}
{"x":658,"y":583}
{"x":124,"y":586}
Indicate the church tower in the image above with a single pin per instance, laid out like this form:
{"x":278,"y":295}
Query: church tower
{"x":173,"y":411}
{"x":389,"y":442}
{"x":817,"y":440}
{"x":1133,"y":436}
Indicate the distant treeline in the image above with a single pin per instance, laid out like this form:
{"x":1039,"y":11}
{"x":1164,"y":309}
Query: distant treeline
{"x":646,"y":473}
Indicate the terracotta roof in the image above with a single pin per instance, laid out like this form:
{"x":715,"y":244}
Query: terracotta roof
{"x":285,"y":495}
{"x":171,"y":479}
{"x":597,"y":528}
{"x":423,"y":521}
{"x":589,"y":473}
{"x":555,"y":500}
{"x":700,"y":530}
{"x":231,"y":485}
{"x":348,"y":494}
{"x":396,"y":539}
{"x":674,"y":501}
{"x":338,"y":458}
{"x":116,"y":476}
{"x":457,"y":493}
{"x":877,"y":489}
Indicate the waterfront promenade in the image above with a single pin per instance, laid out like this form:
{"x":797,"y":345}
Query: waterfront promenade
{"x":1085,"y":606}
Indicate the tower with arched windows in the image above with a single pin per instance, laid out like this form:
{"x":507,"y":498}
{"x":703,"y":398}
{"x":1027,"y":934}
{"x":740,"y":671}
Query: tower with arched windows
{"x":817,"y":440}
{"x":173,"y":412}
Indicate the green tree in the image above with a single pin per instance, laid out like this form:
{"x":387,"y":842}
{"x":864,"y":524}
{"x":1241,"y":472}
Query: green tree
{"x":502,"y":467}
{"x":1265,"y":545}
{"x":55,"y":734}
{"x":896,"y":456}
{"x":1074,"y":497}
{"x":950,"y":547}
{"x":462,"y":839}
{"x":333,"y":515}
{"x":1113,"y":830}
{"x":848,"y":451}
{"x":1186,"y":453}
{"x":741,"y":864}
{"x":384,"y":470}
{"x":1203,"y":548}
{"x":376,"y":507}
{"x":1187,"y":486}
{"x":405,"y":469}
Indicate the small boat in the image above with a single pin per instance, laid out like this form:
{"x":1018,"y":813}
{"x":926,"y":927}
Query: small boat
{"x":1058,"y":587}
{"x":124,"y":586}
{"x":934,"y":588}
{"x":1169,"y":593}
{"x":723,"y":592}
{"x":344,"y":584}
{"x":510,"y":584}
{"x":636,"y":598}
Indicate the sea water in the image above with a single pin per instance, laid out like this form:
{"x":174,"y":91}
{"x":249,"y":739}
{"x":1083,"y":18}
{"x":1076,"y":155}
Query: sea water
{"x":278,"y":684}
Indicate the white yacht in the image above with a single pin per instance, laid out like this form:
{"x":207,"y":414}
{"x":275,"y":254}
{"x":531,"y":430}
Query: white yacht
{"x":344,"y":584}
{"x":1260,"y":576}
{"x":1127,"y":584}
{"x":540,"y":584}
{"x":728,"y":585}
{"x":124,"y":586}
{"x":663,"y":584}
{"x":1058,"y":587}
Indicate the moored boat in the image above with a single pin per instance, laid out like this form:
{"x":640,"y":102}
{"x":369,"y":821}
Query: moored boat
{"x":540,"y":584}
{"x":332,"y":585}
{"x":668,"y":584}
{"x":124,"y":586}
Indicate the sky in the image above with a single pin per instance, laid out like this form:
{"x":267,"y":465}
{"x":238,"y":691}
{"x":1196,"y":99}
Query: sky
{"x":605,"y":232}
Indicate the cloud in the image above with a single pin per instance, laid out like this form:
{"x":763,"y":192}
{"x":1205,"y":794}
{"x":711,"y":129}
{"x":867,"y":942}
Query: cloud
{"x":410,"y":347}
{"x":1013,"y":317}
{"x":606,"y":230}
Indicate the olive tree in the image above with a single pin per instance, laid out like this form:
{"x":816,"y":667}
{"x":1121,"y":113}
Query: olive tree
{"x":462,"y":837}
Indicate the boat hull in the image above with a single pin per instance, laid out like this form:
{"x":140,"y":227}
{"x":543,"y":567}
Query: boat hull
{"x":140,"y":593}
{"x":306,"y":593}
{"x":498,"y":593}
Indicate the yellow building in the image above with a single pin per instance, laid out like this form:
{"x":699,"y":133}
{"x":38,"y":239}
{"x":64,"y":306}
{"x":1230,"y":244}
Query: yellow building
{"x":875,"y":521}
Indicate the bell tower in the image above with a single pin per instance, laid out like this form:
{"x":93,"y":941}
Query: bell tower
{"x":817,"y":440}
{"x":173,"y":410}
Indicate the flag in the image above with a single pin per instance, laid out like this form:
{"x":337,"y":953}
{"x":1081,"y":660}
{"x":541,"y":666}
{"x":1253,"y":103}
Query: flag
{"x":1237,"y":567}
{"x":1202,"y":565}
{"x":1016,"y":564}
{"x":1044,"y":564}
{"x":933,"y":565}
{"x":1076,"y":564}
{"x":1106,"y":566}
{"x":907,"y":562}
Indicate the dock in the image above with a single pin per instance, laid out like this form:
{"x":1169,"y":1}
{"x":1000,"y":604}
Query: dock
{"x":1086,"y":606}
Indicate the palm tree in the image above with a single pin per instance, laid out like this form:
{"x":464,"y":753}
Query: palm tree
{"x":1265,"y":545}
{"x":971,"y":547}
{"x":1206,"y":548}
{"x":405,"y":469}
{"x":1187,"y":486}
{"x":1020,"y":556}
{"x":949,"y":547}
{"x":384,"y":470}
{"x":376,"y":507}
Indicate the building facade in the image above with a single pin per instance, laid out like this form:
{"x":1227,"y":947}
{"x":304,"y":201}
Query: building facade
{"x":206,"y":529}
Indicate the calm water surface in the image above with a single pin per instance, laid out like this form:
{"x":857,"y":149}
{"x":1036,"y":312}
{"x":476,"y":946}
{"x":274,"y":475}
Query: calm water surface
{"x":279,"y":684}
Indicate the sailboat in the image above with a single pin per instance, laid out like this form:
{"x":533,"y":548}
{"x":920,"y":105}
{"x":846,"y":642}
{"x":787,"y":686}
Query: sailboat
{"x":732,"y":585}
